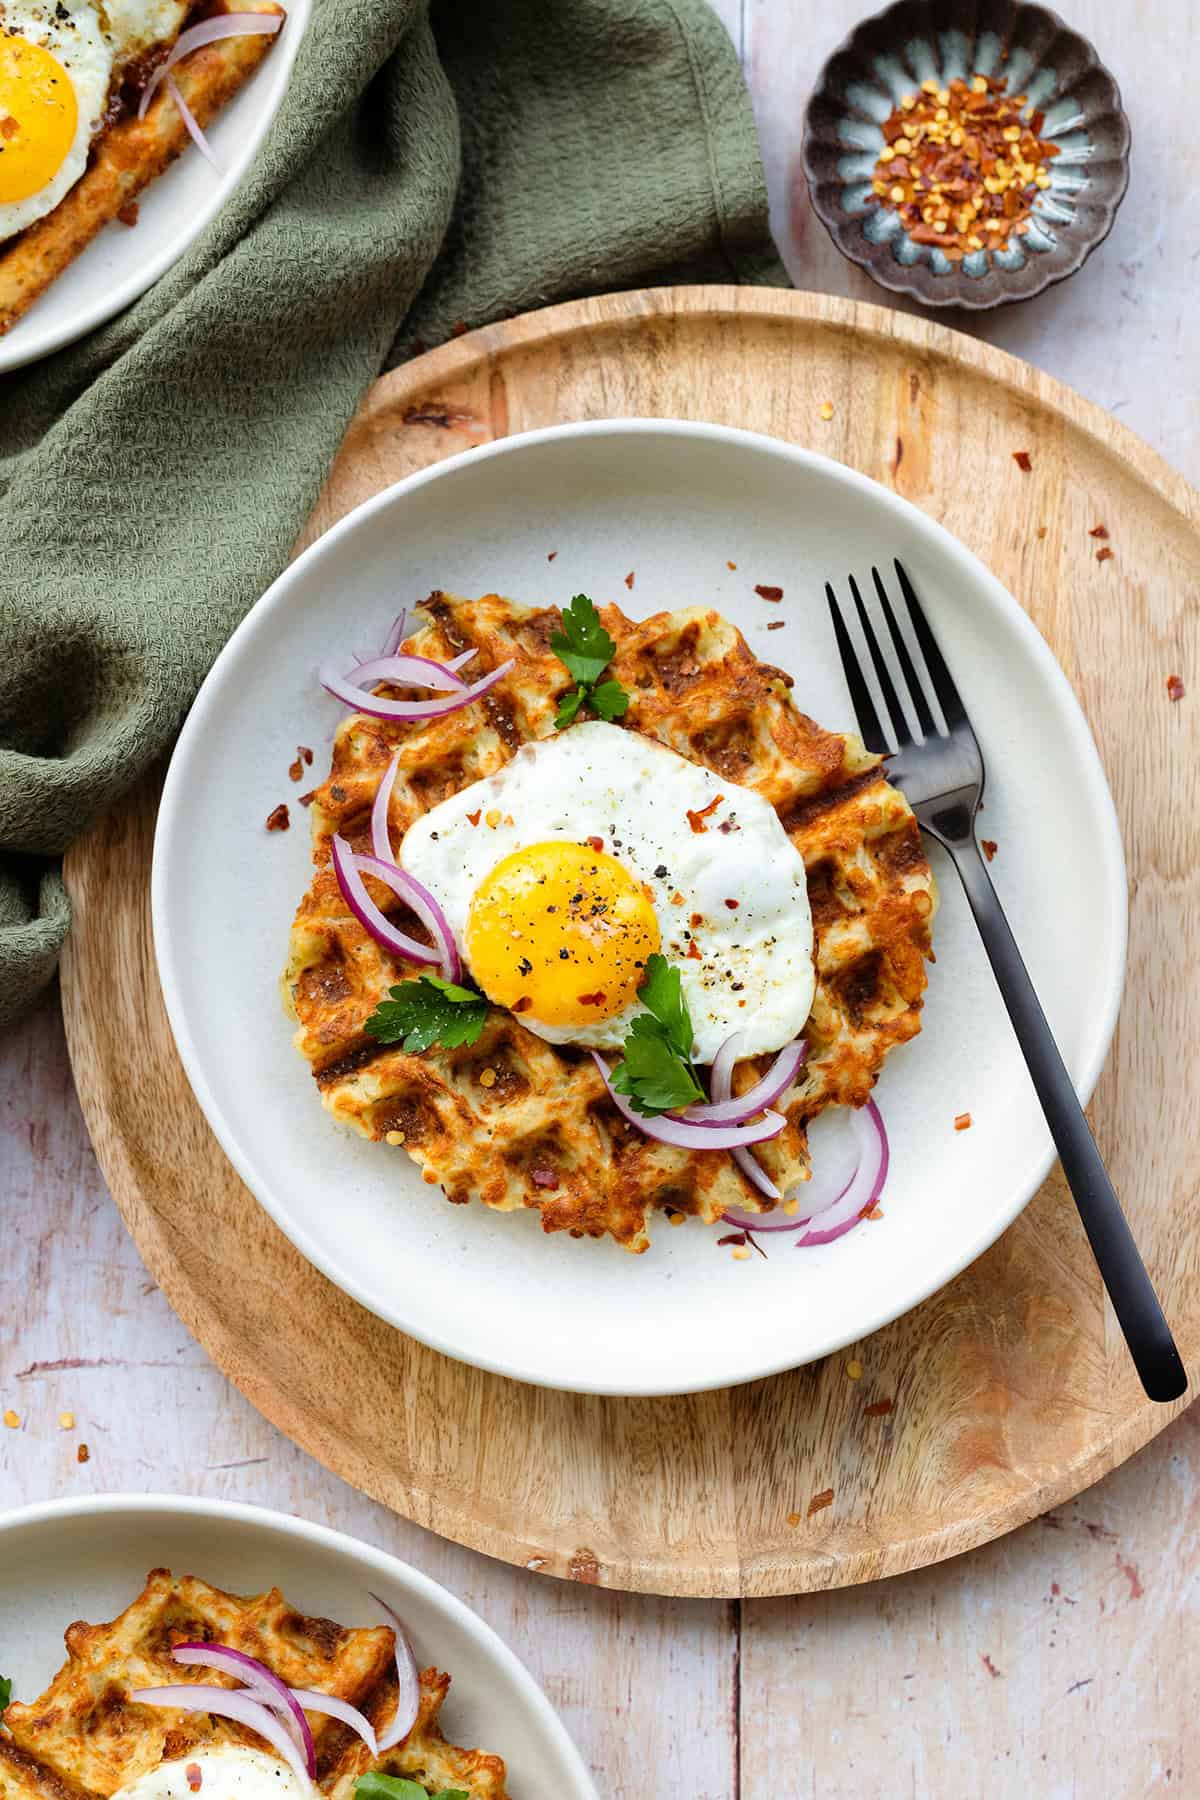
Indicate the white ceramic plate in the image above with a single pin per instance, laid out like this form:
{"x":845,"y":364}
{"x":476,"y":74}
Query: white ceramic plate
{"x":121,"y":263}
{"x":676,"y":503}
{"x":87,"y":1559}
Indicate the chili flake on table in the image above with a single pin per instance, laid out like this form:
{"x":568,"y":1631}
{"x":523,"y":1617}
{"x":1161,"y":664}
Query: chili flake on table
{"x":962,"y":166}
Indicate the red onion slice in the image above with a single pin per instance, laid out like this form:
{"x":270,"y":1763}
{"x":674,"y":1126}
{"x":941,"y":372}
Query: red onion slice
{"x":668,"y":1130}
{"x":723,"y":1109}
{"x":329,"y":1704}
{"x":403,"y":670}
{"x":720,"y":1087}
{"x":355,"y":894}
{"x":261,"y":1683}
{"x":408,"y":1696}
{"x":230,"y":1703}
{"x":391,"y":642}
{"x":422,"y":902}
{"x":209,"y":31}
{"x":867,"y":1185}
{"x":376,"y":706}
{"x":192,"y":124}
{"x":381,"y":837}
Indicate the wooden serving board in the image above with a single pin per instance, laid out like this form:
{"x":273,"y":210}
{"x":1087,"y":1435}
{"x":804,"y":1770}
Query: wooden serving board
{"x":1010,"y":1389}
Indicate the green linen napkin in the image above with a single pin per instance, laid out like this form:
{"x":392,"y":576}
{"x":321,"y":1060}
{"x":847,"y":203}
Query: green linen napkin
{"x":428,"y":166}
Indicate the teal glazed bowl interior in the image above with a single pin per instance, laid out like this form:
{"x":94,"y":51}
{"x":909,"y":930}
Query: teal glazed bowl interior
{"x":889,"y":56}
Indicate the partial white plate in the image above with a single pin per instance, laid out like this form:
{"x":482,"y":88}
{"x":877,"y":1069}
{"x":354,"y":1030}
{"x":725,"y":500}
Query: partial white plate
{"x":123,"y":262}
{"x":676,"y":503}
{"x":88,"y":1558}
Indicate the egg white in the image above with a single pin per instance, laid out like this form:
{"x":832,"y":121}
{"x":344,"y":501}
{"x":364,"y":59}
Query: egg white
{"x":755,"y":973}
{"x":78,"y":43}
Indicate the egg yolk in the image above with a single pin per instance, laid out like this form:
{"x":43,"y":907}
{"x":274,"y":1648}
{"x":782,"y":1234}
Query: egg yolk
{"x":561,"y":932}
{"x":38,"y":116}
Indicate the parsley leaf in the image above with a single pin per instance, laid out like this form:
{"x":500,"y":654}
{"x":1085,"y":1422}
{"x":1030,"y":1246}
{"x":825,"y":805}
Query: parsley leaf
{"x":586,"y":649}
{"x":376,"y":1786}
{"x":428,"y":1011}
{"x":609,"y":699}
{"x":570,"y":704}
{"x":5,"y":1691}
{"x":656,"y":1073}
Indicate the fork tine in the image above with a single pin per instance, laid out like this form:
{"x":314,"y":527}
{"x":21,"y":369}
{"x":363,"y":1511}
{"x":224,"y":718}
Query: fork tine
{"x":912,"y":679}
{"x":860,"y":694}
{"x":891,"y":698}
{"x":935,"y":662}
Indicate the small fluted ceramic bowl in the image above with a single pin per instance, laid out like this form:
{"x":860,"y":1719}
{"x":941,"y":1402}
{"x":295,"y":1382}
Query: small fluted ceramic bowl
{"x":889,"y":56}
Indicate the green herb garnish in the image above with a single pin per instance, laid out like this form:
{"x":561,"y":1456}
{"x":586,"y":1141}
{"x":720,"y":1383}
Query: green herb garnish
{"x":656,"y":1074}
{"x":586,"y":649}
{"x":428,"y":1011}
{"x":374,"y":1786}
{"x":5,"y":1692}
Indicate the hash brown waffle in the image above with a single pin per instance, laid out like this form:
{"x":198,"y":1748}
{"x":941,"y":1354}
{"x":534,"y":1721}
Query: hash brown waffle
{"x":538,"y":1129}
{"x":84,"y":1738}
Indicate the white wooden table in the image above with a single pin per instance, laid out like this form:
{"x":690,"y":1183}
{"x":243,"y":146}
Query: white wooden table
{"x":1063,"y":1660}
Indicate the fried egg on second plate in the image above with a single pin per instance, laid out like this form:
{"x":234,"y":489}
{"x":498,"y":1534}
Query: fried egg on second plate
{"x":591,"y":850}
{"x":55,"y":71}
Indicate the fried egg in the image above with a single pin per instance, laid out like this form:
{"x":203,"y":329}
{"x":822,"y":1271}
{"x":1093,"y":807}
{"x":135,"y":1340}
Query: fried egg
{"x":55,"y":70}
{"x":590,"y":851}
{"x":222,"y":1772}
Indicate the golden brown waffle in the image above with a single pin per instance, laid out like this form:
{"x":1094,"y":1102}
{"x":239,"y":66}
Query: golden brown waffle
{"x":514,"y":1121}
{"x":84,"y":1738}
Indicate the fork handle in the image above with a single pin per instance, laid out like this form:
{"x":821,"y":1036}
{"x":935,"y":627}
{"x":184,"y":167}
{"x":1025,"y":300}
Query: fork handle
{"x":1135,"y":1302}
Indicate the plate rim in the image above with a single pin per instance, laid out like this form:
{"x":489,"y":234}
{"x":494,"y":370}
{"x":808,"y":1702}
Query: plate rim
{"x":108,"y":303}
{"x":275,"y":598}
{"x":307,"y":1531}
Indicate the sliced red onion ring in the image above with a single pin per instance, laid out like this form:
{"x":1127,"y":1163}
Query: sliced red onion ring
{"x":408,"y":1696}
{"x":720,"y":1087}
{"x":354,"y":892}
{"x":723,"y":1109}
{"x":391,"y":642}
{"x":209,"y":31}
{"x":261,"y":1683}
{"x":381,"y":837}
{"x":377,"y":706}
{"x":403,"y":670}
{"x":230,"y":1703}
{"x":316,"y":1702}
{"x":867,"y":1185}
{"x":191,"y":123}
{"x":668,"y":1130}
{"x":422,"y":902}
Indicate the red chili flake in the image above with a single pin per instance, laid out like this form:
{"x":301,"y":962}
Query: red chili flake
{"x":696,"y":819}
{"x":878,"y":1409}
{"x":596,"y":999}
{"x":1041,"y":531}
{"x":9,"y":128}
{"x":307,"y":799}
{"x":677,"y":898}
{"x":1098,"y":531}
{"x":458,"y":329}
{"x":768,"y":593}
{"x":128,"y":214}
{"x":696,"y":919}
{"x":629,"y":579}
{"x":694,"y":952}
{"x":1104,"y":554}
{"x":544,"y":1177}
{"x":793,"y":1518}
{"x":990,"y":1666}
{"x":776,"y":624}
{"x":296,"y":769}
{"x":820,"y":1501}
{"x":475,"y":816}
{"x":523,"y":1004}
{"x":1021,"y":458}
{"x":1175,"y":687}
{"x":734,"y":1237}
{"x":989,"y":847}
{"x":730,"y":565}
{"x":596,"y":844}
{"x":82,"y":1454}
{"x":732,"y":905}
{"x":304,"y":751}
{"x":551,"y":555}
{"x":278,"y":820}
{"x":873,"y":1212}
{"x":194,"y":1776}
{"x":962,"y":1122}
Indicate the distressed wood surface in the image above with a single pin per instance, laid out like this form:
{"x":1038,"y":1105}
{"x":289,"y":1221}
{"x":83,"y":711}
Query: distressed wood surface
{"x":874,"y":1692}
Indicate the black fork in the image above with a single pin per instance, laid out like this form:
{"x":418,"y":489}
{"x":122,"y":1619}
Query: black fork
{"x":943,"y":778}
